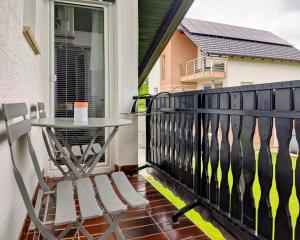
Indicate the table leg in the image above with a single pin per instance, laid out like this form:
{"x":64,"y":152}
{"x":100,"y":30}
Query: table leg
{"x":82,"y":158}
{"x":69,"y":163}
{"x":50,"y":153}
{"x":65,"y":144}
{"x":48,"y":130}
{"x":92,"y":163}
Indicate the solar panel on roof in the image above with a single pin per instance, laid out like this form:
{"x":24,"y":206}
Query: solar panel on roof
{"x":230,"y":31}
{"x":239,"y":47}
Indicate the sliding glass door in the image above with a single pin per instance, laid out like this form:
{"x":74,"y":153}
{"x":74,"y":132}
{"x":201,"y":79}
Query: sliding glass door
{"x":79,"y":66}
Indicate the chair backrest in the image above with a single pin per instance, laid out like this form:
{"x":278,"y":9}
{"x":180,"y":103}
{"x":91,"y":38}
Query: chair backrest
{"x":15,"y":130}
{"x":50,"y":147}
{"x":19,"y":129}
{"x":41,"y":110}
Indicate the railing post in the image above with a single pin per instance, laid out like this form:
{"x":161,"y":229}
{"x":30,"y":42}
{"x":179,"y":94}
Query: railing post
{"x":284,"y":171}
{"x":197,"y":145}
{"x":297,"y":171}
{"x":148,"y":133}
{"x":241,"y":112}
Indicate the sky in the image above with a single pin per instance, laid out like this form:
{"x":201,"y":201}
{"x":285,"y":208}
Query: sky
{"x":282,"y":17}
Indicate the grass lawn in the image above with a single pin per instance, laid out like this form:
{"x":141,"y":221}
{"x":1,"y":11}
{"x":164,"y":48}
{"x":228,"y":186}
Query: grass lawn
{"x":207,"y":227}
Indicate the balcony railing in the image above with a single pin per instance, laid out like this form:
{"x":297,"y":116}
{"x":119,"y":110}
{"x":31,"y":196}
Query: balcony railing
{"x":179,"y":146}
{"x":203,"y":68}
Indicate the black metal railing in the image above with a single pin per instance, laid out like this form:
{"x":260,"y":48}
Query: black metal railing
{"x":188,"y":132}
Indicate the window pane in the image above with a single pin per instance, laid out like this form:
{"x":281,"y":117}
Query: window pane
{"x":79,"y":64}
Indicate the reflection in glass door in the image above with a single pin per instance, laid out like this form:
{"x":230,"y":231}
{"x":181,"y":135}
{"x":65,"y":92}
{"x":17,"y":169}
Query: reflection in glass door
{"x":79,"y":67}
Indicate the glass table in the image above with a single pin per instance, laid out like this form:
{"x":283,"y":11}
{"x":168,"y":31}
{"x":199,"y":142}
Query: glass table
{"x":77,"y":166}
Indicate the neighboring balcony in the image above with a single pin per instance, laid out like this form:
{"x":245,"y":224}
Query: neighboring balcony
{"x":203,"y":68}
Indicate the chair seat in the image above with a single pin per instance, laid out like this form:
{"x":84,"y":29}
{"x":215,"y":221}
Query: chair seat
{"x":127,"y":192}
{"x":108,"y":197}
{"x":65,"y":205}
{"x":89,"y":206}
{"x":62,"y":198}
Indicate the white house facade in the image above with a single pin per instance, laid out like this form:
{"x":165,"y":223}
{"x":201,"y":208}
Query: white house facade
{"x":245,"y":71}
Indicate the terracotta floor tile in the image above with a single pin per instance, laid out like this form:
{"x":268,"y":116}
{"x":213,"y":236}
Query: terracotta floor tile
{"x":71,"y":233}
{"x":141,"y":231}
{"x":111,"y":237}
{"x":169,"y":225}
{"x":140,"y":224}
{"x":139,"y":184}
{"x":158,"y":210}
{"x":95,"y":229}
{"x":137,"y":214}
{"x":159,"y":236}
{"x":158,"y":203}
{"x":94,"y":221}
{"x":145,"y":188}
{"x":155,"y":197}
{"x":136,"y":222}
{"x":187,"y":232}
{"x":204,"y":237}
{"x":164,"y":217}
{"x":30,"y":236}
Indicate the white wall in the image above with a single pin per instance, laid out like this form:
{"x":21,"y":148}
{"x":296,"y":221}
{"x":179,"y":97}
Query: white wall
{"x":260,"y":71}
{"x":154,"y":78}
{"x":23,"y":77}
{"x":124,"y":73}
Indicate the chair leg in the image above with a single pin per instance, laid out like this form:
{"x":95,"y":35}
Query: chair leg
{"x":83,"y":231}
{"x":64,"y":232}
{"x":118,"y":234}
{"x":113,"y":226}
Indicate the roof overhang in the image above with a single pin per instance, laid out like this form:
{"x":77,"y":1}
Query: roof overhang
{"x":158,"y":19}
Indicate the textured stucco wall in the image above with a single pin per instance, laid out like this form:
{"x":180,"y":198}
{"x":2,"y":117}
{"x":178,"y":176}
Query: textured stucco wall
{"x":23,"y":78}
{"x":255,"y":71}
{"x":124,"y":86}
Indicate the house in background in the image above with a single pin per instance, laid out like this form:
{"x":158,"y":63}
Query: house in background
{"x":203,"y":55}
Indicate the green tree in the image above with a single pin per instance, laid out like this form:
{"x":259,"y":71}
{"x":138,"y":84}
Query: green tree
{"x":144,"y":89}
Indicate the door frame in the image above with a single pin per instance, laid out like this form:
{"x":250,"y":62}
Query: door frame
{"x":107,"y":165}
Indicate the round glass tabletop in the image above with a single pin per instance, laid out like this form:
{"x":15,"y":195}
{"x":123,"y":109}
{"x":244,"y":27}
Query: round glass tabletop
{"x":70,"y":123}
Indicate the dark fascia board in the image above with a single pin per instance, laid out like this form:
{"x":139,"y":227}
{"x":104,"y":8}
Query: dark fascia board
{"x":168,"y":26}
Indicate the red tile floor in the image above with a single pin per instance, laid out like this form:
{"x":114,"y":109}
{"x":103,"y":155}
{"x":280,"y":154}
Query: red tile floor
{"x":153,"y":223}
